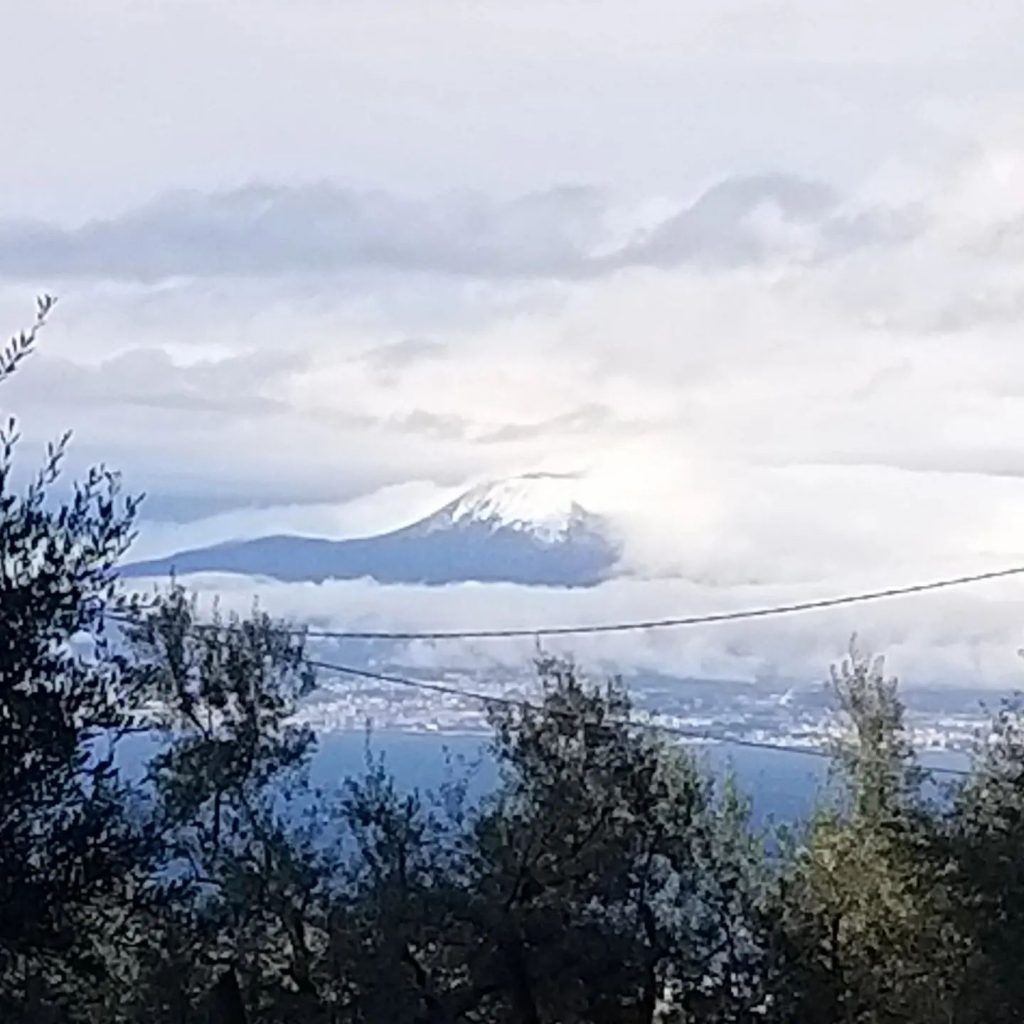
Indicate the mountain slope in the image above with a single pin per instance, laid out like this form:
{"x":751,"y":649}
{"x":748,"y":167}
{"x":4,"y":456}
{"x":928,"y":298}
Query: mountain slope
{"x":527,"y":530}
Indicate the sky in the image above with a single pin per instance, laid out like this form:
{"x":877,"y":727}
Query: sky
{"x":752,"y":269}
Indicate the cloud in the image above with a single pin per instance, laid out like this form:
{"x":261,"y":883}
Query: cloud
{"x":784,"y":415}
{"x":219,"y":393}
{"x":380,"y":510}
{"x":138,"y":99}
{"x":268,"y":231}
{"x":750,"y":220}
{"x":773,"y":380}
{"x":419,"y":421}
{"x":150,"y":378}
{"x":265,"y":230}
{"x":585,"y":419}
{"x":722,"y":226}
{"x":396,"y":355}
{"x":961,"y":639}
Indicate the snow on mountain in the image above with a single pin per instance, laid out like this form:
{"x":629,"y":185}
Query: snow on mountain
{"x":529,"y":530}
{"x":542,"y":504}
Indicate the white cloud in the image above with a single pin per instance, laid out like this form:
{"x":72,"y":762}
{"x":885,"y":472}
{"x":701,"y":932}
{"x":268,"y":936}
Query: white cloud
{"x":133,"y":97}
{"x":317,"y":390}
{"x":964,"y":639}
{"x":260,"y":231}
{"x":801,"y":380}
{"x":563,"y":233}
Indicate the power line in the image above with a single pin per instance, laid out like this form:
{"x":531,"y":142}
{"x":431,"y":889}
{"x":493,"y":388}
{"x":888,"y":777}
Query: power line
{"x":670,"y":730}
{"x":768,"y":611}
{"x":486,"y":698}
{"x":665,"y":623}
{"x":614,"y":627}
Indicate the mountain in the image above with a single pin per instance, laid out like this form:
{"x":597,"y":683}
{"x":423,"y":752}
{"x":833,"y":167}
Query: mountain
{"x":527,"y":530}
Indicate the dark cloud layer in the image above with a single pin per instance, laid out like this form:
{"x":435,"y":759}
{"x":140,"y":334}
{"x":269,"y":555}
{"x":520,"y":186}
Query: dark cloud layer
{"x":717,"y":228}
{"x":266,"y":230}
{"x":269,"y":230}
{"x":149,"y":378}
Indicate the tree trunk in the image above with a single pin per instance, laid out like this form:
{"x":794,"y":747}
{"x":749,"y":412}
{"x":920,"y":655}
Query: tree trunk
{"x":226,"y":1006}
{"x":522,"y":993}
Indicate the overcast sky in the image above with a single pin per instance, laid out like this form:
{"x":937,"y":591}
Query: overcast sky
{"x":756,"y":269}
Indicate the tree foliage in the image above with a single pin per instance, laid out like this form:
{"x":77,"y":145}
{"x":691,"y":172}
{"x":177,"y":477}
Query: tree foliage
{"x":164,"y":857}
{"x":74,"y":847}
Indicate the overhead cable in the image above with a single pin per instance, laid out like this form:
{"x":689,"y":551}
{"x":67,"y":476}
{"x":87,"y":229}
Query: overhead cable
{"x":682,"y":732}
{"x":636,"y":625}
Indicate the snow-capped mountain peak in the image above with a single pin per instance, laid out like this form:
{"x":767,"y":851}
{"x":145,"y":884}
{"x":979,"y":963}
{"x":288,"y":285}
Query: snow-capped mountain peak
{"x":541,"y":504}
{"x":528,"y":530}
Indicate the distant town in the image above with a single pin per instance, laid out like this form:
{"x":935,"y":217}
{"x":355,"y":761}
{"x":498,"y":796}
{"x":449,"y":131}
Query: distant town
{"x":710,"y":711}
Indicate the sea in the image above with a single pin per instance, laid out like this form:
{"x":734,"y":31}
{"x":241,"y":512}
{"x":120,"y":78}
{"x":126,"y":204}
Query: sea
{"x":783,"y":785}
